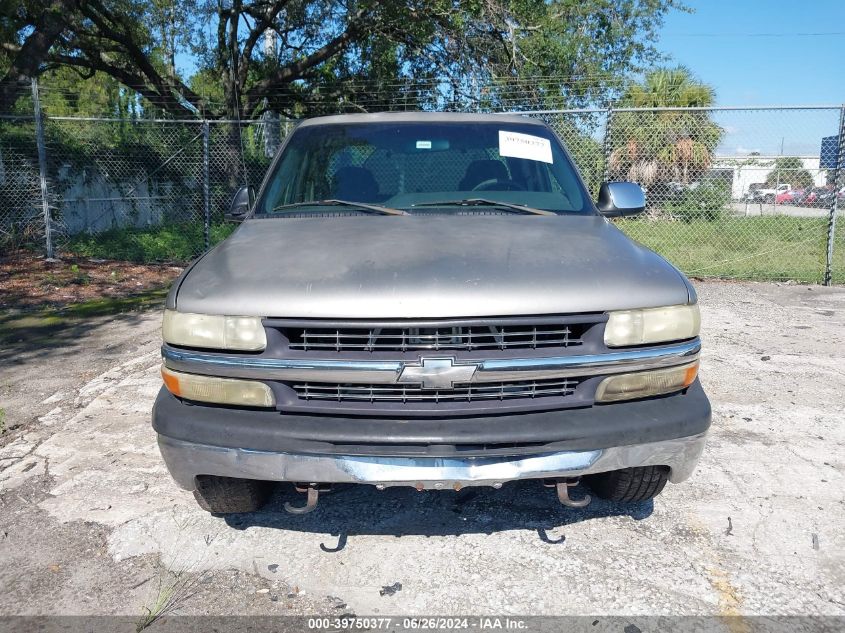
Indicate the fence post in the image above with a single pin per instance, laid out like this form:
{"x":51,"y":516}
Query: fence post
{"x":42,"y":168}
{"x":206,"y":192}
{"x":608,"y":146}
{"x":837,"y":184}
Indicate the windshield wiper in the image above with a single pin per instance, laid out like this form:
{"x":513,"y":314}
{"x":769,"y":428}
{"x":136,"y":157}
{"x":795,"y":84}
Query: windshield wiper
{"x":484,"y":202}
{"x":362,"y":206}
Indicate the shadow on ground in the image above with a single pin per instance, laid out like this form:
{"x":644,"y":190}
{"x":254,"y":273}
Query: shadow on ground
{"x":28,"y":337}
{"x":362,"y":510}
{"x":48,"y":306}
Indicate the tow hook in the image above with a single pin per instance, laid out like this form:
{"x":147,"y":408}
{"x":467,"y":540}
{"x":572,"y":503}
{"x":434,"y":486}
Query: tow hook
{"x":562,"y":486}
{"x":312,"y":492}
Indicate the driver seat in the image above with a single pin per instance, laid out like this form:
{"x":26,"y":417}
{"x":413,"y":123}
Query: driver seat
{"x":479,"y":171}
{"x":355,"y":184}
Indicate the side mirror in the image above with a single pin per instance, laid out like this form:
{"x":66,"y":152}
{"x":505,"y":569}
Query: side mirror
{"x":617,"y":199}
{"x":241,"y":204}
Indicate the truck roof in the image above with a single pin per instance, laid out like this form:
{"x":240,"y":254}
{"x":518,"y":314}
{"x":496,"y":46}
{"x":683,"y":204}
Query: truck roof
{"x":422,"y":117}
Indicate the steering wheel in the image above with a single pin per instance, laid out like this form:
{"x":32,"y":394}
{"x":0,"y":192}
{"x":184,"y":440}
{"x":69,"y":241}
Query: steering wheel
{"x":498,"y":184}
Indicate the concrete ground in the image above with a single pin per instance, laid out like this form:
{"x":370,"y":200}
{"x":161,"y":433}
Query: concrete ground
{"x":752,"y":209}
{"x":90,"y":522}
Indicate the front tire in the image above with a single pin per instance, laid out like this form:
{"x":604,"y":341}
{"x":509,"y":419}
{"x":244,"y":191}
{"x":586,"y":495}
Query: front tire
{"x":228,"y":495}
{"x":629,"y":484}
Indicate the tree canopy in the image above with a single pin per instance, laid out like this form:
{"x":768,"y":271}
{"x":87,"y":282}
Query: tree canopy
{"x":302,"y":57}
{"x":660,"y":146}
{"x":789,"y":170}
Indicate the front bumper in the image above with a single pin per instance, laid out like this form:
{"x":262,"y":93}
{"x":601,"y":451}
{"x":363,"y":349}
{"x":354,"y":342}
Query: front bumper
{"x":186,"y":460}
{"x":431,"y":453}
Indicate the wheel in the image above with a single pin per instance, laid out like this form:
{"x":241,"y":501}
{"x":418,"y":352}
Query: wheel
{"x":227,"y":495}
{"x":629,"y":484}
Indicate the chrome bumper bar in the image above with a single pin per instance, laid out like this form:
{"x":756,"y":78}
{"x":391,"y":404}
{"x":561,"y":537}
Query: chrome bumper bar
{"x":388,"y":372}
{"x":186,"y":460}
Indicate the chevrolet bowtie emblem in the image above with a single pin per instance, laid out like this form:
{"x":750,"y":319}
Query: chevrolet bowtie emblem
{"x":437,"y":373}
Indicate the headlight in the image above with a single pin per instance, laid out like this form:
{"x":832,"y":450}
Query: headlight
{"x":652,"y":325}
{"x":213,"y":332}
{"x":245,"y":393}
{"x":646,"y":383}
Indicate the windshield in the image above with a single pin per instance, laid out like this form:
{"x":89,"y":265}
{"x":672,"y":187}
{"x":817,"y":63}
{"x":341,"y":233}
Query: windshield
{"x":423,"y":166}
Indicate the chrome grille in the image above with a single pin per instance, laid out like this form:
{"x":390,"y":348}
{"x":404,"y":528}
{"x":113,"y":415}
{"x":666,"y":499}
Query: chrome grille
{"x":467,"y":392}
{"x":454,"y":337}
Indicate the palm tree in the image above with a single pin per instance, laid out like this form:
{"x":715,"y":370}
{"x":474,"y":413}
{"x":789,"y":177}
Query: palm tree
{"x":655,"y":147}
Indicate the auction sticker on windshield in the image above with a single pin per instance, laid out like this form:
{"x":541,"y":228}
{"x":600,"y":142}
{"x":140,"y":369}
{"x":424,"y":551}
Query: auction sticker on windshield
{"x":516,"y":145}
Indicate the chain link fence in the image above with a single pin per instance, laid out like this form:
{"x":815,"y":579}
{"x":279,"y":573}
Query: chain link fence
{"x":747,"y":193}
{"x":21,"y":210}
{"x":128,"y":189}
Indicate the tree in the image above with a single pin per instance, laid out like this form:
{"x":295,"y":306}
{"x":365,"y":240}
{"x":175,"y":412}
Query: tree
{"x":565,"y":53}
{"x":657,"y":147}
{"x":789,"y":170}
{"x":23,"y":56}
{"x":66,"y":93}
{"x":371,"y":54}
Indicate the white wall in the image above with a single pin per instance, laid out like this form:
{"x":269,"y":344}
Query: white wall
{"x":752,"y":169}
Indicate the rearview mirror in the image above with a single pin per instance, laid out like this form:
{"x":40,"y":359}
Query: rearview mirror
{"x":617,"y":199}
{"x":241,"y":204}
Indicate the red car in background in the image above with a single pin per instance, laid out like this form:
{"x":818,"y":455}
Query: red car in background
{"x":789,"y":197}
{"x":815,"y":195}
{"x":821,"y":197}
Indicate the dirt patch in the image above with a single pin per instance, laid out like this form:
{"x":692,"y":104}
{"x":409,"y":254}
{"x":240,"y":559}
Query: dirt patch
{"x":30,"y":283}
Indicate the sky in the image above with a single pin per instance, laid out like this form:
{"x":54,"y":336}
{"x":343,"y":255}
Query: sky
{"x":759,"y":52}
{"x":765,"y":52}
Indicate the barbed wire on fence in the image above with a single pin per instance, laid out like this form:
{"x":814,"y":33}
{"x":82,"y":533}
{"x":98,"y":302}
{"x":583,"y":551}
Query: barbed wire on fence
{"x":741,"y":192}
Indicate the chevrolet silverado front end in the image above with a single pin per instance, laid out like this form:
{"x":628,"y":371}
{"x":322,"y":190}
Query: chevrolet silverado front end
{"x":431,"y":301}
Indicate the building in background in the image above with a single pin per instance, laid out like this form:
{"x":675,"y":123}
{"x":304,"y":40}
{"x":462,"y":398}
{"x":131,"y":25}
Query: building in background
{"x":745,"y":171}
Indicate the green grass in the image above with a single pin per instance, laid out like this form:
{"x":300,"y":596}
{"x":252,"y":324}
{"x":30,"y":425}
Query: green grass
{"x":115,"y":305}
{"x":168,"y":243}
{"x":41,"y":326}
{"x":174,"y":588}
{"x":763,"y":248}
{"x":839,"y":252}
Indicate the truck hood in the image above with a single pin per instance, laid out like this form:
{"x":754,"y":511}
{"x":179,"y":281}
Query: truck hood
{"x":427,"y":266}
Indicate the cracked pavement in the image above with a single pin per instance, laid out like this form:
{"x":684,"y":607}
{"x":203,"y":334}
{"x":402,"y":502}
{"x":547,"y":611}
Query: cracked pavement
{"x":90,"y":521}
